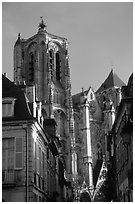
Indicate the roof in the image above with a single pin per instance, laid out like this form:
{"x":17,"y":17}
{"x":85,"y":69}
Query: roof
{"x":76,"y":97}
{"x":130,"y":80}
{"x":21,"y":109}
{"x":42,"y":32}
{"x":111,"y":81}
{"x":96,"y":171}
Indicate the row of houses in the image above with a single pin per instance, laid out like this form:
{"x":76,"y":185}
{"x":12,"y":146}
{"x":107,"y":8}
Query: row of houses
{"x":32,"y":169}
{"x":121,"y":143}
{"x":32,"y":166}
{"x":119,"y":183}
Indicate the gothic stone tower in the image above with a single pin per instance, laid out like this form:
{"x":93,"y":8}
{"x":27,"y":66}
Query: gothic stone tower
{"x":109,"y":96}
{"x":42,"y":61}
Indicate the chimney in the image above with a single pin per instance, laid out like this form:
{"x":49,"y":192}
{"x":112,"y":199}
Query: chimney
{"x":5,"y":74}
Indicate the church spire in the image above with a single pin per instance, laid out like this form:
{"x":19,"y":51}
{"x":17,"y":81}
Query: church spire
{"x":42,"y":26}
{"x":18,"y":42}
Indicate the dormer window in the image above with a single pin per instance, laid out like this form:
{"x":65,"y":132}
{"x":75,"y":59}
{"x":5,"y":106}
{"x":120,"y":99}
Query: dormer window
{"x":8,"y":107}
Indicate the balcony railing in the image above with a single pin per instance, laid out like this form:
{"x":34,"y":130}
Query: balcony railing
{"x":8,"y":176}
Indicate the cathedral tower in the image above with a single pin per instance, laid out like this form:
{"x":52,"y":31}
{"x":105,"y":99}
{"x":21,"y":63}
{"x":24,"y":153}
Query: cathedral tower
{"x":42,"y":61}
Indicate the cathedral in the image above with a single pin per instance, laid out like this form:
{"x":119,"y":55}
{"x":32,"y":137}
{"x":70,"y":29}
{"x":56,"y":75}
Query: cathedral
{"x":94,"y":115}
{"x":42,"y":61}
{"x":83,"y":121}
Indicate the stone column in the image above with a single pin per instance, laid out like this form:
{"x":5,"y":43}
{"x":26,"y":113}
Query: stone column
{"x":87,"y":142}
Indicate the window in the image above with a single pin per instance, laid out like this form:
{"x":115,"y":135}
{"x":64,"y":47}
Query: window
{"x":31,"y":68}
{"x":8,"y":107}
{"x":11,"y":158}
{"x":37,"y":158}
{"x":91,"y":96}
{"x":39,"y":165}
{"x":44,"y":114}
{"x":8,"y":153}
{"x":58,"y":72}
{"x":40,"y":160}
{"x":12,"y":153}
{"x":35,"y":178}
{"x":40,"y":199}
{"x":35,"y":197}
{"x":43,"y":61}
{"x":47,"y":153}
{"x":19,"y":153}
{"x":42,"y":166}
{"x":51,"y":62}
{"x":34,"y":155}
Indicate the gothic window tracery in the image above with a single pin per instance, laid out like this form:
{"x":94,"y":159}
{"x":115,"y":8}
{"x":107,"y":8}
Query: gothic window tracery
{"x":60,"y":120}
{"x":91,"y":96}
{"x":76,"y":125}
{"x":51,"y":60}
{"x":58,"y":71}
{"x":42,"y":54}
{"x":44,"y":114}
{"x":31,"y":68}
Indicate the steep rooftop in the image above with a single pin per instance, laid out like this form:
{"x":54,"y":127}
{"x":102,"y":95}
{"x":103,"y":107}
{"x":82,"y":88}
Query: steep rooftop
{"x":21,"y":110}
{"x":112,"y":81}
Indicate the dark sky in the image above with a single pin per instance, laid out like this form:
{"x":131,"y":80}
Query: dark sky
{"x":100,"y":36}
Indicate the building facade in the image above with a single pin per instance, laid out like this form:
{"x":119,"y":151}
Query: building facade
{"x":121,"y":145}
{"x":32,"y":169}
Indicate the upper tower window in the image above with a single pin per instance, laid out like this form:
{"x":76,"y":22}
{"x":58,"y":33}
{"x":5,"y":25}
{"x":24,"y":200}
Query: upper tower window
{"x":8,"y":107}
{"x":51,"y":58}
{"x":31,"y":68}
{"x":58,"y":71}
{"x":91,"y":96}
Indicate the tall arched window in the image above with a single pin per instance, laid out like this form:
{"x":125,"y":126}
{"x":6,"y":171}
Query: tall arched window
{"x":44,"y":114}
{"x":58,"y":71}
{"x":51,"y":62}
{"x":91,"y":96}
{"x":42,"y":55}
{"x":31,"y":68}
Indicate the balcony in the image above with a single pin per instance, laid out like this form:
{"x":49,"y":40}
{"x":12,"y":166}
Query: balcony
{"x":12,"y":177}
{"x":8,"y":176}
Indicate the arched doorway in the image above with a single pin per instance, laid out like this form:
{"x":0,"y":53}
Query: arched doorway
{"x":85,"y":197}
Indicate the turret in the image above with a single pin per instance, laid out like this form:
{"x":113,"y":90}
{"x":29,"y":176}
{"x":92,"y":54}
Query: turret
{"x":18,"y":61}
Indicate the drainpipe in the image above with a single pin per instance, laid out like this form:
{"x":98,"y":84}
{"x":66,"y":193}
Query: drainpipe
{"x":27,"y":184}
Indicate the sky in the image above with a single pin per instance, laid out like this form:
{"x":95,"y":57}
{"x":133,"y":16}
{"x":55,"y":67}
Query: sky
{"x":100,"y":36}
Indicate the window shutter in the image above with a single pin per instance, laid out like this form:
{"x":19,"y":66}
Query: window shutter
{"x":39,"y":160}
{"x":19,"y":154}
{"x":11,"y":159}
{"x":3,"y":110}
{"x":3,"y":159}
{"x":37,"y":157}
{"x":42,"y":156}
{"x":34,"y":155}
